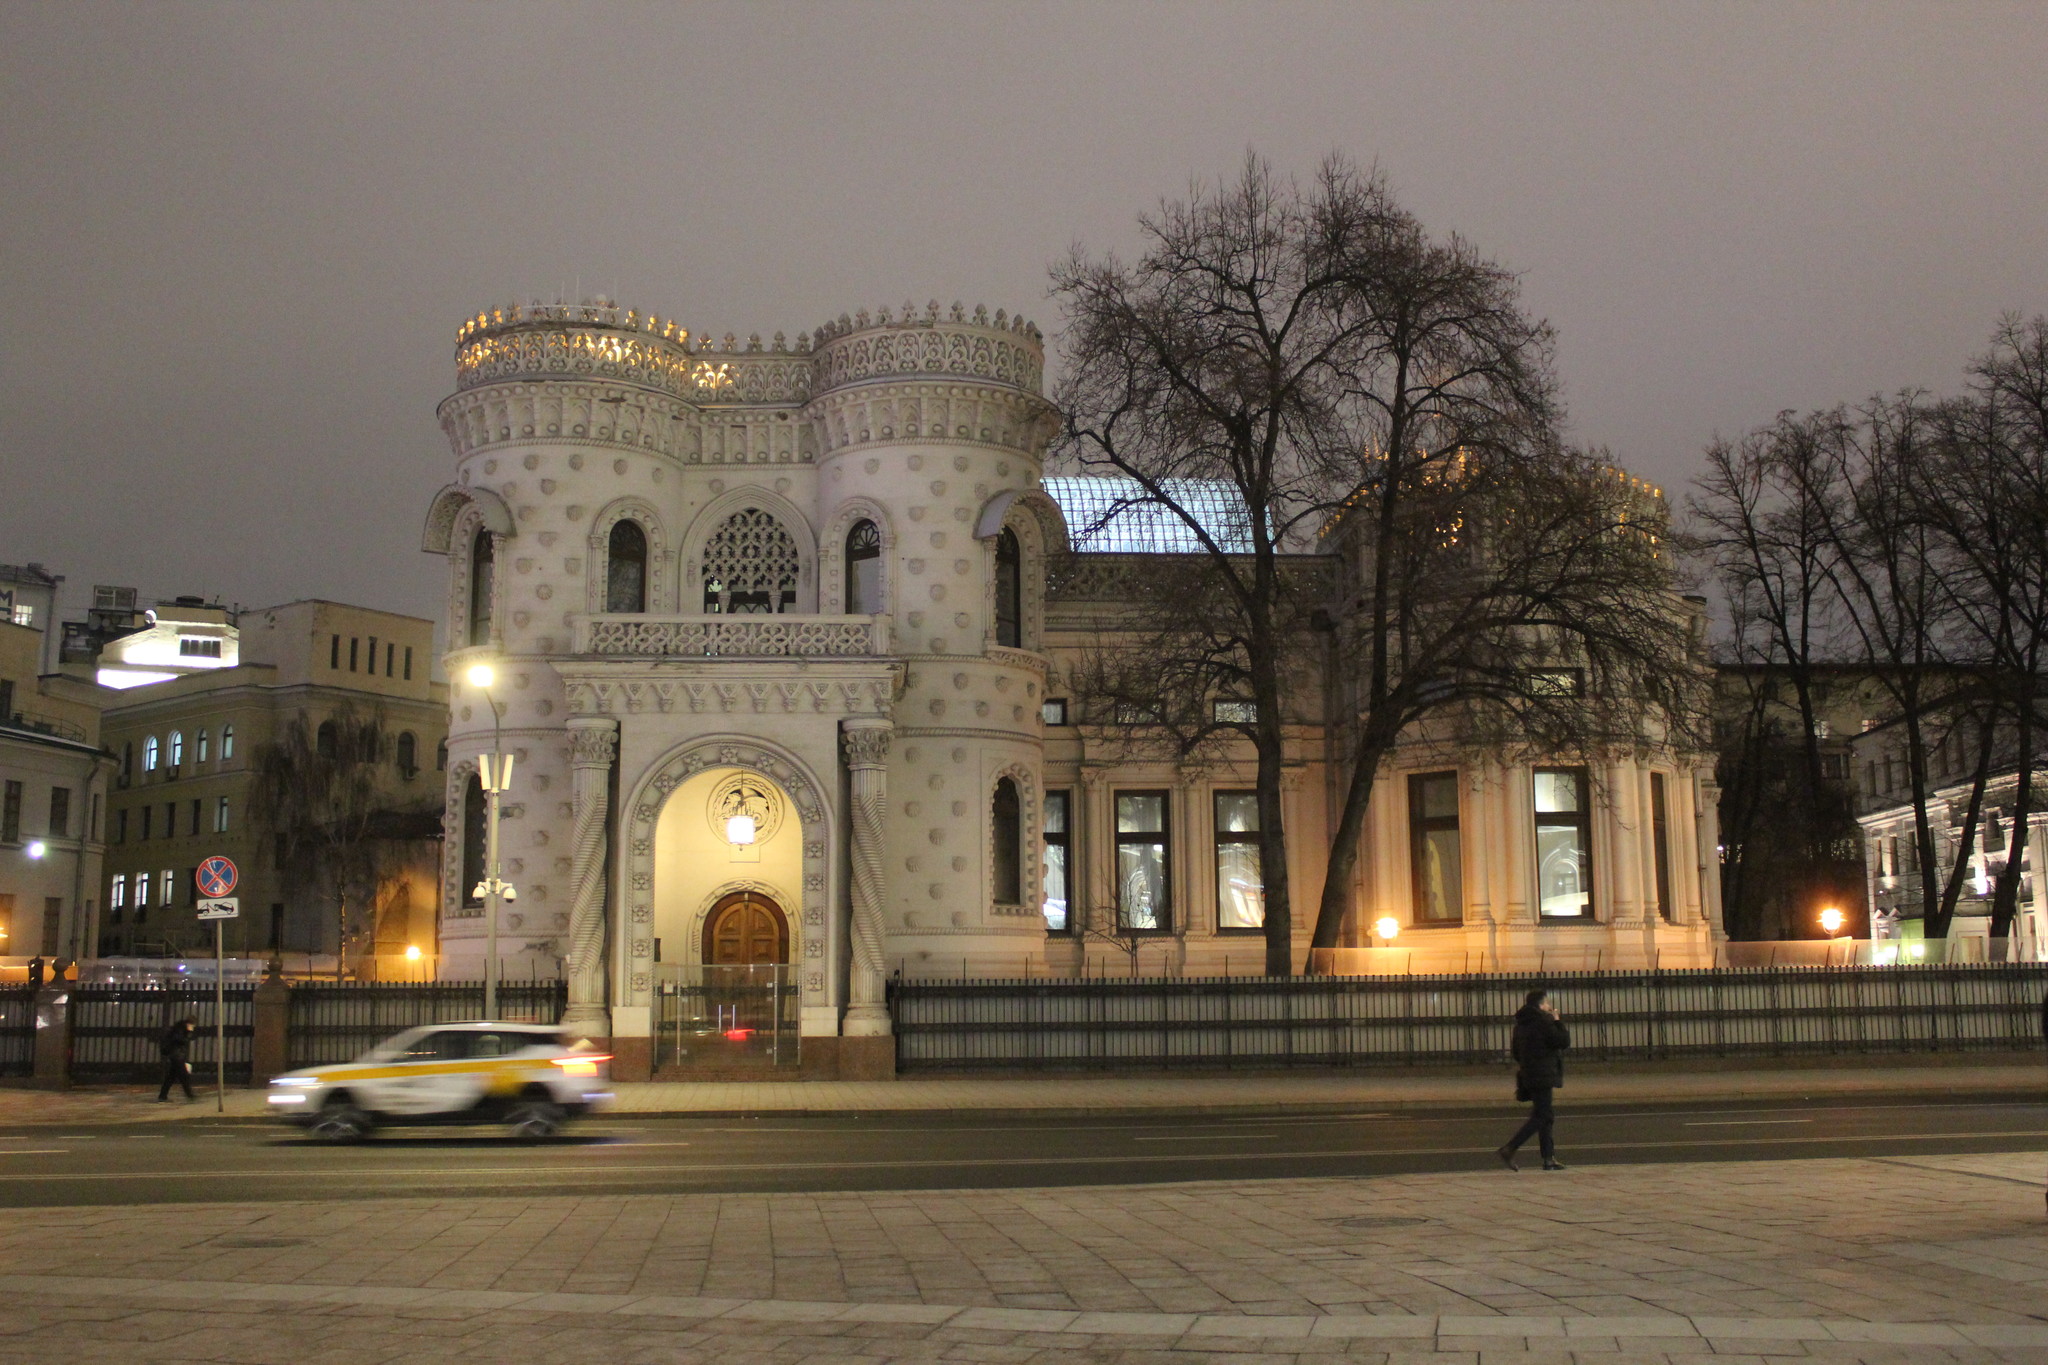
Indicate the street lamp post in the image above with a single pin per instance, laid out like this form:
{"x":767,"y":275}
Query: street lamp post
{"x":494,"y":774}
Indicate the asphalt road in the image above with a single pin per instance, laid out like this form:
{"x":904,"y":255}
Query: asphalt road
{"x":210,"y":1161}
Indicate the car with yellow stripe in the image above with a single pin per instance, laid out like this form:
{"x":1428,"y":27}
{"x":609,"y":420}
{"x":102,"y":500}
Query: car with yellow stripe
{"x":529,"y":1077}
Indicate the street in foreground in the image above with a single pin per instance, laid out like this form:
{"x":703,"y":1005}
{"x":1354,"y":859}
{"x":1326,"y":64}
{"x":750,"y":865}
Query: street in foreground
{"x":1892,"y":1259}
{"x":1678,"y":1234}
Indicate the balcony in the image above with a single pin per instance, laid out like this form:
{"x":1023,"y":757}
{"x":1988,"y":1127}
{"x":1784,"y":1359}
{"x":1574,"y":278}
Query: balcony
{"x":733,"y":637}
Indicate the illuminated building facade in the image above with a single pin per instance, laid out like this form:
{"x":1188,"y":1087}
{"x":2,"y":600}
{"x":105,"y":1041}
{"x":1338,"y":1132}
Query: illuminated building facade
{"x":786,"y":670}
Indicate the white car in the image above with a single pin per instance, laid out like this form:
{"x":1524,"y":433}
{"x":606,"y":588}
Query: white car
{"x":530,"y":1077}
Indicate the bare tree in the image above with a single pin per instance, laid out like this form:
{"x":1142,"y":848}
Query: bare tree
{"x":1220,"y":357}
{"x":1349,"y":380}
{"x":336,"y":836}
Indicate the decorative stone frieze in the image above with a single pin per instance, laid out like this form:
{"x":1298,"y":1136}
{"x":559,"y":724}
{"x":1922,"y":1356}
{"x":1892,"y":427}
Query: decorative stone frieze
{"x":729,"y":637}
{"x":757,"y":696}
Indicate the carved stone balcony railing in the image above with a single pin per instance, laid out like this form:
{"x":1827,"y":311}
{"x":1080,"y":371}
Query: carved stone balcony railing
{"x":733,"y":637}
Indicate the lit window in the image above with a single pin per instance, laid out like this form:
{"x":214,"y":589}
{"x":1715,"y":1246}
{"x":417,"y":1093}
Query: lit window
{"x":1138,"y":713}
{"x":1143,"y":900}
{"x":199,"y":745}
{"x":141,"y":891}
{"x":1240,"y":882}
{"x":1435,"y":848}
{"x":149,"y":752}
{"x":220,"y":816}
{"x":1558,"y":682}
{"x":169,"y":888}
{"x":1054,"y":711}
{"x":1233,"y":711}
{"x":1058,"y":854}
{"x":1007,"y":818}
{"x":1564,"y":844}
{"x":227,"y":741}
{"x":117,"y":894}
{"x":177,"y":747}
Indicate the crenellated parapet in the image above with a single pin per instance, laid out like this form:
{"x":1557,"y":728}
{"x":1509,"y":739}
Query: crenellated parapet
{"x":910,"y":345}
{"x":601,"y":341}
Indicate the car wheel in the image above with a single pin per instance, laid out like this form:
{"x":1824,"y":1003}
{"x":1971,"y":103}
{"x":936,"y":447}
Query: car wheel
{"x":533,"y":1119}
{"x":342,"y":1120}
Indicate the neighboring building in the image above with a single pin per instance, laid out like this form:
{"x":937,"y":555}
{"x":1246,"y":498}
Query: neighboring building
{"x":1891,"y":856}
{"x":53,"y":788}
{"x":186,"y":751}
{"x":28,"y":597}
{"x":787,"y":681}
{"x":173,"y":639}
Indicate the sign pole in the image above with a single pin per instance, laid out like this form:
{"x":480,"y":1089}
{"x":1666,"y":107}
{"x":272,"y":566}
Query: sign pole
{"x":215,"y":878}
{"x":220,"y":1025}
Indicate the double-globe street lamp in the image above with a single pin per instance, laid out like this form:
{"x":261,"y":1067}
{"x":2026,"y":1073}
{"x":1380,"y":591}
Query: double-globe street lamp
{"x":494,"y":775}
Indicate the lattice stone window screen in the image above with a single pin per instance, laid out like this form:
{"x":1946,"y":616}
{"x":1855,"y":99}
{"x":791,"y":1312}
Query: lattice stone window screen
{"x":750,"y":566}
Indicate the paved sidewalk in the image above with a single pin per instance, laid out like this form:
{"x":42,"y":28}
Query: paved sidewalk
{"x":1891,"y":1260}
{"x":2020,"y":1074}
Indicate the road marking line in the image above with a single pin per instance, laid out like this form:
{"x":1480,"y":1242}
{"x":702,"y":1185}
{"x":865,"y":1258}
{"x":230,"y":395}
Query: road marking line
{"x":1206,"y":1137}
{"x":36,"y":1151}
{"x":358,"y":1173}
{"x":1742,"y":1123}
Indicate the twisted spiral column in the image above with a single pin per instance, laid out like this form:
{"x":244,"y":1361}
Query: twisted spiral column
{"x":866,"y":745}
{"x":594,"y":742}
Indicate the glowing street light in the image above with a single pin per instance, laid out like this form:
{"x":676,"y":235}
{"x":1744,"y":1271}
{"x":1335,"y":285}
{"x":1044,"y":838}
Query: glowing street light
{"x":1387,"y":927}
{"x":1832,"y":920}
{"x":36,"y":848}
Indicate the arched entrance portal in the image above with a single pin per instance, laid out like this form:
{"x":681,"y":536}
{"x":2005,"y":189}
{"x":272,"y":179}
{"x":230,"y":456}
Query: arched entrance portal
{"x":746,"y":929}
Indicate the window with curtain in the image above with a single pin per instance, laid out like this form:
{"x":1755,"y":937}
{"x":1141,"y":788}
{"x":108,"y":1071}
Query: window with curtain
{"x":1564,"y":844}
{"x":1006,"y":814}
{"x":227,"y":741}
{"x":1057,"y":862}
{"x":1435,"y":848}
{"x":199,"y":746}
{"x":864,"y":569}
{"x":625,"y":573}
{"x":1240,"y":881}
{"x":482,"y":571}
{"x":1009,"y":590}
{"x":1143,"y":888}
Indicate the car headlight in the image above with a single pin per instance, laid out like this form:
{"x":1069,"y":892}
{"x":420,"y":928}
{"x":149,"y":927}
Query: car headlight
{"x":294,"y":1082}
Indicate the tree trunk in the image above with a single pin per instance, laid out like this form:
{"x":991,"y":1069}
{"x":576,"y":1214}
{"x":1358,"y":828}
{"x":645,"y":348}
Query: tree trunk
{"x":1336,"y":902}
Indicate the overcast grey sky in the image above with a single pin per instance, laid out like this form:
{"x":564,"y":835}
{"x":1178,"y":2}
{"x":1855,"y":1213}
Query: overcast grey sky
{"x":237,"y":239}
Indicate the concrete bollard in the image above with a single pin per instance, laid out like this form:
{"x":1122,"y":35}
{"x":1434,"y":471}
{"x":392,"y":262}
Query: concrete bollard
{"x":53,"y":1037}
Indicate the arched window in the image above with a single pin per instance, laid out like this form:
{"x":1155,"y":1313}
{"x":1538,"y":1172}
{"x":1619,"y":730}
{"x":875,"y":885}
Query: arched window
{"x":327,"y":740}
{"x":200,"y":746}
{"x":483,"y":555}
{"x":473,"y":811}
{"x":1009,"y":590}
{"x":750,"y":566}
{"x":408,"y":754}
{"x":441,"y":757}
{"x":864,"y":569}
{"x":227,"y":742}
{"x":177,"y":747}
{"x":149,"y":752}
{"x":1007,"y":817}
{"x":625,"y":583}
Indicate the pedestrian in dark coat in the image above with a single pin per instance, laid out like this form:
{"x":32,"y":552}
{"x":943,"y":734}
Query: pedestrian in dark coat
{"x":1539,"y":1042}
{"x":176,"y":1047}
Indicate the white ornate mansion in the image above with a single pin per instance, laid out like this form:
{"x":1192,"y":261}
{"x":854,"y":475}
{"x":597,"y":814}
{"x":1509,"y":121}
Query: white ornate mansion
{"x":778,"y":658}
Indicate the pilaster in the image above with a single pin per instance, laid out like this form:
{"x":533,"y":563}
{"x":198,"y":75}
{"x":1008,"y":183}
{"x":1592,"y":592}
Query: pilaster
{"x":866,"y":746}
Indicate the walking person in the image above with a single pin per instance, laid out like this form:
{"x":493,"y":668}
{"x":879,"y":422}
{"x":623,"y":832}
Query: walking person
{"x":176,"y":1047}
{"x":1538,"y":1047}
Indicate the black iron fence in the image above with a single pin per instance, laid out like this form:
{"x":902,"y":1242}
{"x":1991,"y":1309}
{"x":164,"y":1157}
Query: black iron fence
{"x":1266,"y":1022}
{"x":17,"y":1030}
{"x":115,"y":1030}
{"x":337,"y":1023}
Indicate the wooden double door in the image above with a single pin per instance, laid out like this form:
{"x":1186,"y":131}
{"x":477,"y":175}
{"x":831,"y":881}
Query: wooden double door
{"x":745,"y":929}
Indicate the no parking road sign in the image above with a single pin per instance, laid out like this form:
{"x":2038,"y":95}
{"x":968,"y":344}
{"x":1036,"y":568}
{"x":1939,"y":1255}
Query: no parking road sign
{"x":216,"y":877}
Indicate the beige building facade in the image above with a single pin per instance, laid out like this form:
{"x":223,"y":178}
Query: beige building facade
{"x":54,"y":780}
{"x":783,"y":638}
{"x":185,"y":753}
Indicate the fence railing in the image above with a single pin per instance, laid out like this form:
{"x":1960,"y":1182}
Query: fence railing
{"x":17,"y":1030}
{"x":115,"y":1030}
{"x":1268,"y":1022}
{"x":338,"y":1023}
